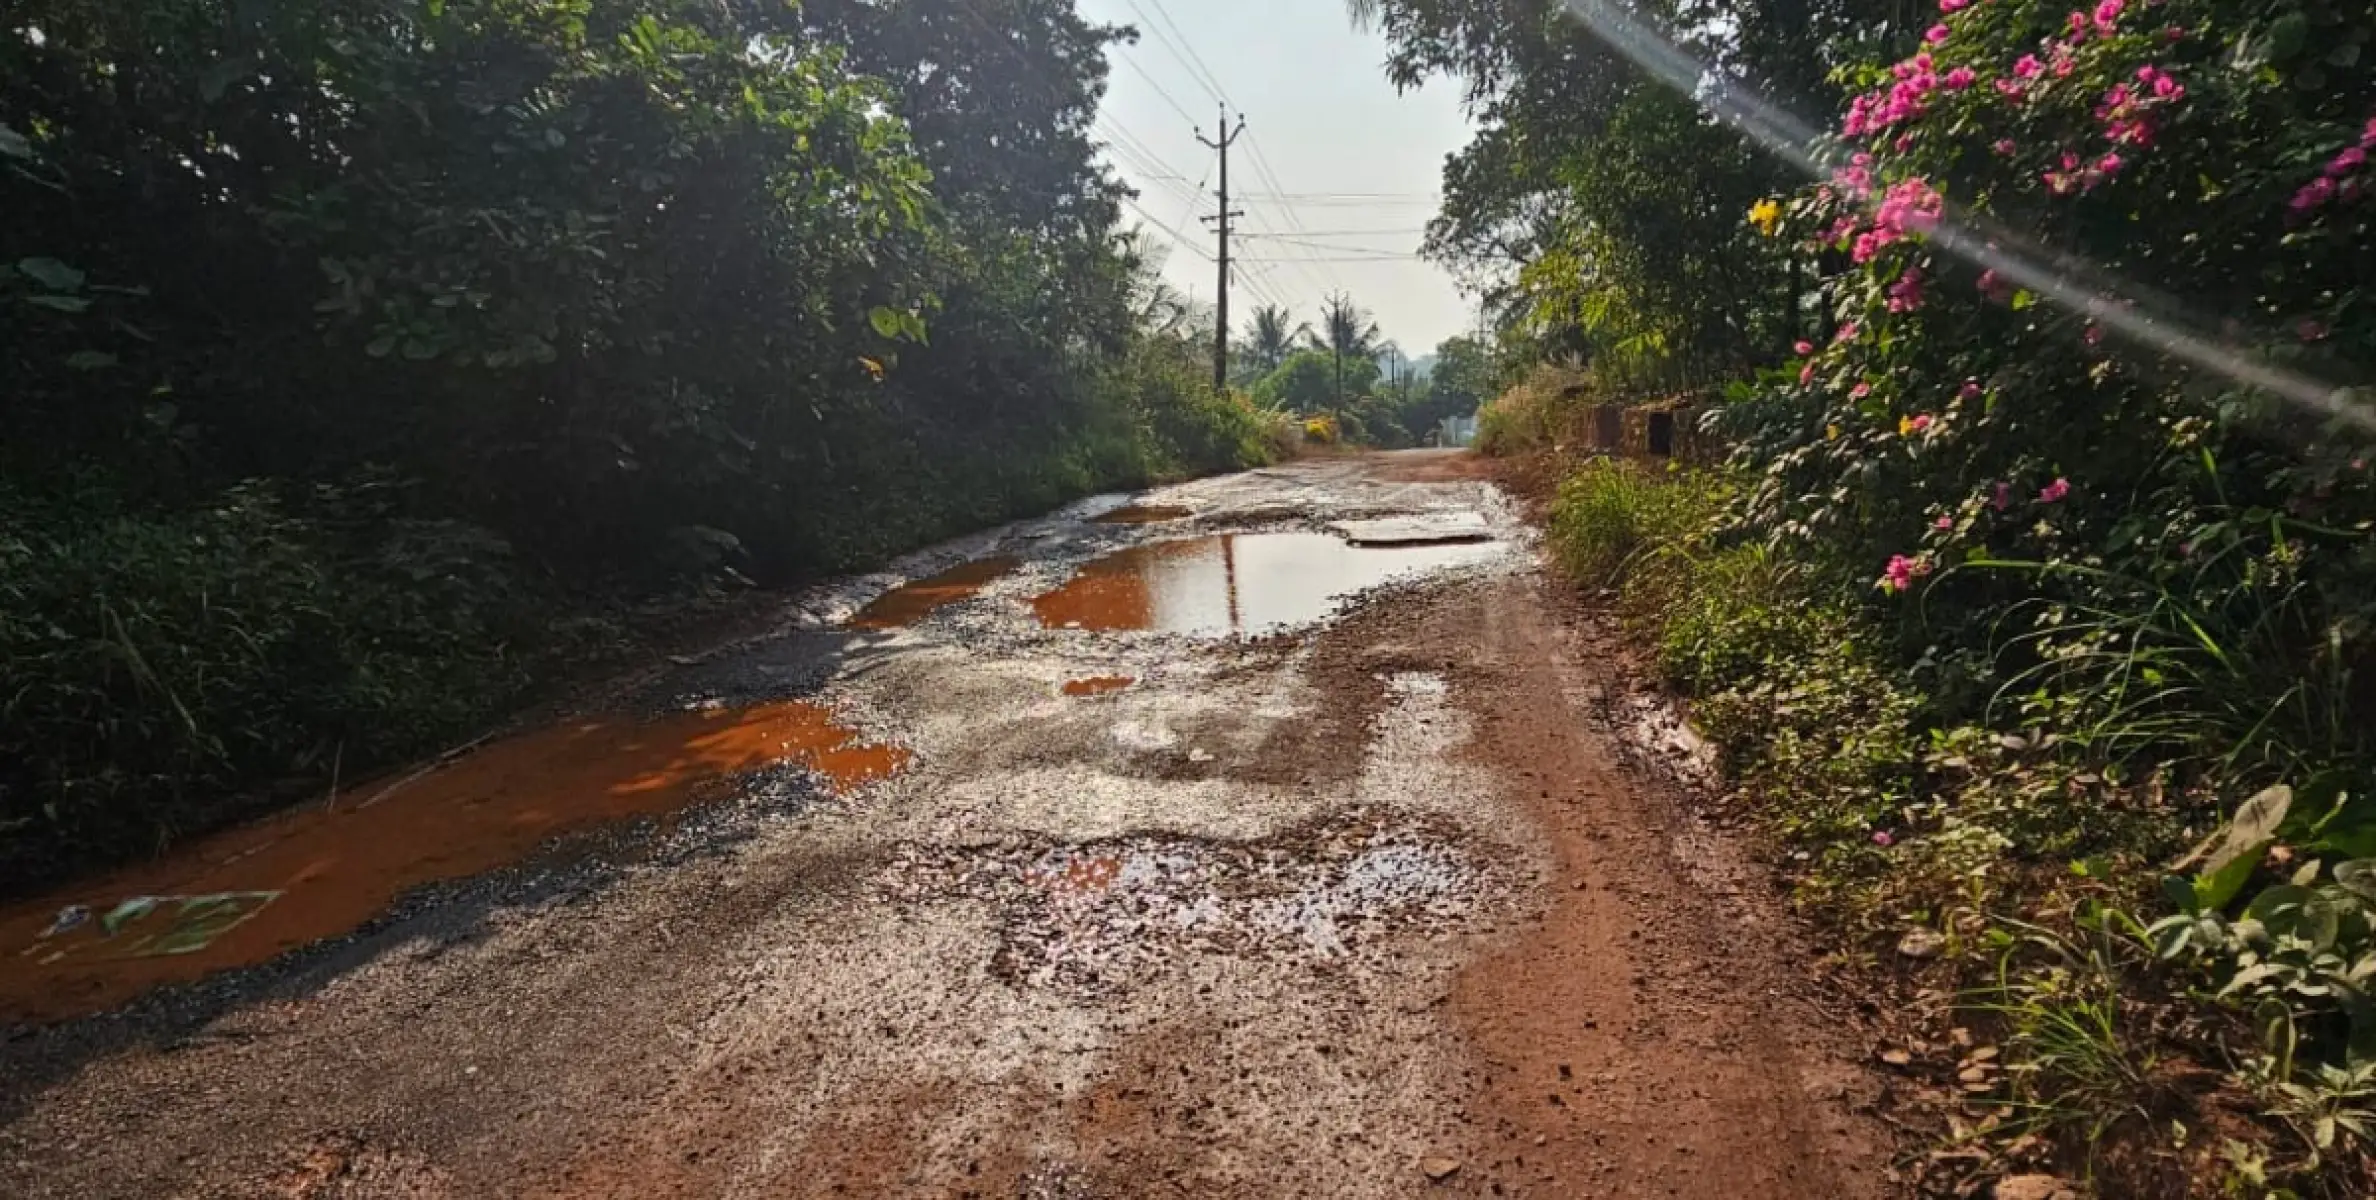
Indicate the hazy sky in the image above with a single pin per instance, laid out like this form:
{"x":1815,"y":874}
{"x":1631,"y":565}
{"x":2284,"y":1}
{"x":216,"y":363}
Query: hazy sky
{"x":1333,"y":166}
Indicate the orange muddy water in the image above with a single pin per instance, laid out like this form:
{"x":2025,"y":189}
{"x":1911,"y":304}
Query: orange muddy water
{"x":1234,"y":583}
{"x":246,"y":895}
{"x":912,"y":602}
{"x":1097,"y":685}
{"x":1146,"y":514}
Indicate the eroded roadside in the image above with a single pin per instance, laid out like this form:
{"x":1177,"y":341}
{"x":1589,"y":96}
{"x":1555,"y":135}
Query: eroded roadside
{"x":1367,"y":906}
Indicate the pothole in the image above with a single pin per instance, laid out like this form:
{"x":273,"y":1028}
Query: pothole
{"x":1146,"y":514}
{"x":917,"y":599}
{"x":249,"y":894}
{"x":1237,"y":582}
{"x":1089,"y":918}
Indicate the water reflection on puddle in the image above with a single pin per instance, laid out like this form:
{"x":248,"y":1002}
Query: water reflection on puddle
{"x":248,"y":894}
{"x":913,"y":601}
{"x":1235,"y":583}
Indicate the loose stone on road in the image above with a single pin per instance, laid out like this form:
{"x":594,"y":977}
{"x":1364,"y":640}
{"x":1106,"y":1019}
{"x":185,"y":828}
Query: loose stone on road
{"x":1200,"y":851}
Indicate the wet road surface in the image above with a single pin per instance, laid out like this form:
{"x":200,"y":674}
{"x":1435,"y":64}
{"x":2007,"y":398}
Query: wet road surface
{"x":1187,"y":848}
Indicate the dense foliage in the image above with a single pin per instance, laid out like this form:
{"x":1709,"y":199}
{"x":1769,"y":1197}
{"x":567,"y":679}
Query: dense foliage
{"x":2051,"y":532}
{"x":351,"y":347}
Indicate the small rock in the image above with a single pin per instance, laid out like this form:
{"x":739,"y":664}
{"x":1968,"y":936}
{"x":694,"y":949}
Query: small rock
{"x":1896,"y":1058}
{"x":1922,"y":943}
{"x":2032,"y":1187}
{"x":1984,"y":1054}
{"x":1439,"y":1168}
{"x":1974,"y":1075}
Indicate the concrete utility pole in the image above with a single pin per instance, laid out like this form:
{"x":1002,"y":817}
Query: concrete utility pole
{"x":1221,"y":328}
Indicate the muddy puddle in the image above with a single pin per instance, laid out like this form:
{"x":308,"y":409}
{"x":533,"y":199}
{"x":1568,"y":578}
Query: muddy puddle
{"x":246,"y":895}
{"x":1236,"y":583}
{"x":912,"y":602}
{"x":1146,"y":514}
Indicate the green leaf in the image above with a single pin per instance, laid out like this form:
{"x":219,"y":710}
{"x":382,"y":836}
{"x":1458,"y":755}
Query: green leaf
{"x":885,"y":321}
{"x":91,"y":360}
{"x":64,"y":304}
{"x":2358,"y":877}
{"x":2287,"y":34}
{"x":217,"y":79}
{"x":51,"y":274}
{"x":13,"y":144}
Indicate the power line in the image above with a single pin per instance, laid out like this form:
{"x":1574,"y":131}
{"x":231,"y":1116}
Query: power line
{"x":1168,"y":98}
{"x":1318,"y":233}
{"x":1187,"y":60}
{"x":1168,"y":48}
{"x":1180,"y":239}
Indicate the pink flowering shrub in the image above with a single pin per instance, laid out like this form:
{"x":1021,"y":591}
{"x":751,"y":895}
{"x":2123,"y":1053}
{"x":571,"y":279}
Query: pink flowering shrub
{"x":1959,"y":419}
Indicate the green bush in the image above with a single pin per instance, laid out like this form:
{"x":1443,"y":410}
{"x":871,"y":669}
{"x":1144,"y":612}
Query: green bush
{"x":1610,"y":511}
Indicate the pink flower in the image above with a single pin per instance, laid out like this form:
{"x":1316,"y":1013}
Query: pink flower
{"x":2093,"y":334}
{"x":1883,"y":840}
{"x":2027,"y":67}
{"x":1900,"y":574}
{"x":1961,"y":78}
{"x":1935,"y":34}
{"x":2107,"y":15}
{"x":1803,"y":349}
{"x":2003,"y":499}
{"x":1847,"y":333}
{"x":2167,"y":88}
{"x":1954,"y":6}
{"x":2055,"y":491}
{"x":1806,"y":374}
{"x":1944,"y":523}
{"x":1860,"y":391}
{"x":2009,"y":89}
{"x":2174,"y":34}
{"x":1994,"y":288}
{"x":1918,"y":423}
{"x":1906,"y":294}
{"x":2004,"y":146}
{"x":1970,"y":390}
{"x":2346,"y":162}
{"x":2314,"y":194}
{"x":2110,"y":164}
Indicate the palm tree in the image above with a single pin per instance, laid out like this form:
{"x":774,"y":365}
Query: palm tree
{"x":1346,"y":332}
{"x":1269,"y":340}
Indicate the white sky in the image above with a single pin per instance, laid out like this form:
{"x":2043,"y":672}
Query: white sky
{"x":1352,"y":164}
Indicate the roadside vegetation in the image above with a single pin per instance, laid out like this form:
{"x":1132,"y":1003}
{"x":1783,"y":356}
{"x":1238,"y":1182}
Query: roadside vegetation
{"x":367,"y":365}
{"x":1346,"y":383}
{"x":2047,"y":653}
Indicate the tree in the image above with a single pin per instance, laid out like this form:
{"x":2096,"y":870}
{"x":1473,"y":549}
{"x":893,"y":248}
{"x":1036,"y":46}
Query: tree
{"x":1463,"y":380}
{"x":1347,"y":332}
{"x":1307,"y":382}
{"x":1271,"y":337}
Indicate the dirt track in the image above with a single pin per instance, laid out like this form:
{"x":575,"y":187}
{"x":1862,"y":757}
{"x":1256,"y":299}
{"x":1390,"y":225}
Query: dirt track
{"x":1375,"y":906}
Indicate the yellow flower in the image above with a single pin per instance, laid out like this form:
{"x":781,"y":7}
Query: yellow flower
{"x":1765,"y":214}
{"x":1831,"y":432}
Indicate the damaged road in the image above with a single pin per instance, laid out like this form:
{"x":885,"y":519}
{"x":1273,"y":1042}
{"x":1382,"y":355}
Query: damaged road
{"x":1272,"y":836}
